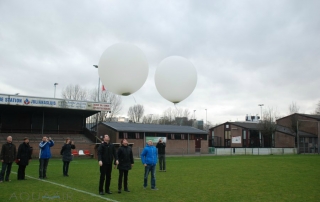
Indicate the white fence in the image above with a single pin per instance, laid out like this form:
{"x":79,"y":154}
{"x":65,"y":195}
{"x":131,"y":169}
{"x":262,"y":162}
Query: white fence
{"x":253,"y":151}
{"x":224,"y":151}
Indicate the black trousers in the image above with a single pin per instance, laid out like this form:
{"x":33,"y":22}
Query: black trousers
{"x":21,"y":172}
{"x":43,"y":168}
{"x":125,"y":180}
{"x":65,"y":167}
{"x":105,"y":176}
{"x":5,"y":171}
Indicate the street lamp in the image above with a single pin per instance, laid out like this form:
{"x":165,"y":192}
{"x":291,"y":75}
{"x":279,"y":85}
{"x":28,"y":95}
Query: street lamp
{"x":150,"y":118}
{"x":206,"y":119}
{"x":261,"y":110}
{"x":97,"y":132}
{"x":55,"y":86}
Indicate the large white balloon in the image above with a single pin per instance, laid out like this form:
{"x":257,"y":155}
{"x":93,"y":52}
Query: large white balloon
{"x":123,"y":68}
{"x":175,"y":78}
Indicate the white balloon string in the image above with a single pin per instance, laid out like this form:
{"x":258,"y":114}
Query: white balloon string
{"x":134,"y":99}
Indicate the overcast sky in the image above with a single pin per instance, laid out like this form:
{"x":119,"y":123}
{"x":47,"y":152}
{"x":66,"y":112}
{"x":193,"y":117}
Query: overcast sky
{"x":246,"y":52}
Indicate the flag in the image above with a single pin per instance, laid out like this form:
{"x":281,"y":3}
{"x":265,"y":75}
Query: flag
{"x":103,"y":89}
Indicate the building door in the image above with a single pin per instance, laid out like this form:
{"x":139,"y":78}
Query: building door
{"x":198,"y":144}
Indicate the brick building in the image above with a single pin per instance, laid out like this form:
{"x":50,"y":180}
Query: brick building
{"x":248,"y":134}
{"x":179,"y":139}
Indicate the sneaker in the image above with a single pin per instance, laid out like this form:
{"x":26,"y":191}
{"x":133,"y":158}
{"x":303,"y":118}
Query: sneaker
{"x":144,"y":187}
{"x":127,"y":190}
{"x":154,"y":189}
{"x":8,"y":180}
{"x":119,"y":191}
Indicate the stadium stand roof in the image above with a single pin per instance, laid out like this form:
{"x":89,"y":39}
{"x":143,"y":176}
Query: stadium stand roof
{"x":140,"y":127}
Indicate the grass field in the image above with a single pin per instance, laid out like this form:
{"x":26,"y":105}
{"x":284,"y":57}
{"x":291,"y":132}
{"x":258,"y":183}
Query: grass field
{"x":209,"y":178}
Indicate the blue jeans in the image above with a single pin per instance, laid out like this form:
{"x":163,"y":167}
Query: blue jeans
{"x":6,"y":169}
{"x":147,"y":169}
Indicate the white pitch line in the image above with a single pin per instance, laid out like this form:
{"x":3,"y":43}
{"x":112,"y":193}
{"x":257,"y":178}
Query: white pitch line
{"x":78,"y":190}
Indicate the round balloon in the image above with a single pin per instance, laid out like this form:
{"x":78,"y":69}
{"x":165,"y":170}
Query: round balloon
{"x":123,"y":68}
{"x":175,"y":78}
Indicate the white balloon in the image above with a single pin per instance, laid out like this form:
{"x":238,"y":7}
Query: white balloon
{"x":123,"y":68}
{"x":175,"y":78}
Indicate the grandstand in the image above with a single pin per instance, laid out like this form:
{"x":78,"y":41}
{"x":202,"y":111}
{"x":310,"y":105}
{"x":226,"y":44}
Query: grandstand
{"x":35,"y":117}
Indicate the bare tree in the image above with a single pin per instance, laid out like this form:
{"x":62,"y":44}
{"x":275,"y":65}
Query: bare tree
{"x":268,"y":126}
{"x":318,"y":108}
{"x":148,"y":119}
{"x":293,"y":108}
{"x":168,"y":116}
{"x":136,"y":112}
{"x":75,"y":92}
{"x":207,"y":126}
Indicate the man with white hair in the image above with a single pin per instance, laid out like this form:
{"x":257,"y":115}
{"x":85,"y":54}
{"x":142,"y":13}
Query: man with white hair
{"x":8,"y":155}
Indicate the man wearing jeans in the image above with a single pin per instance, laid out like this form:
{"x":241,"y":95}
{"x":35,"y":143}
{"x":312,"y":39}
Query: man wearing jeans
{"x":149,"y":157}
{"x":44,"y":156}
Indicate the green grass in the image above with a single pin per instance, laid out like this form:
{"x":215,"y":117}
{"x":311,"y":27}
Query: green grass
{"x":210,"y":178}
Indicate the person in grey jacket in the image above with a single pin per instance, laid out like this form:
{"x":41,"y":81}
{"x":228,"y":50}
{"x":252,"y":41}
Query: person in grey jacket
{"x":67,"y":155}
{"x":8,"y":155}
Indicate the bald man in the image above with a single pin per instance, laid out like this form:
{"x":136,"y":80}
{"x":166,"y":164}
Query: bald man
{"x":8,"y":155}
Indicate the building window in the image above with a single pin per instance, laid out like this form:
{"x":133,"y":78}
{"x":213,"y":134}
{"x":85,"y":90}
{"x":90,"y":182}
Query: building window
{"x":227,"y":138}
{"x":172,"y":136}
{"x":125,"y":135}
{"x":137,"y":136}
{"x":244,"y":135}
{"x":182,"y":137}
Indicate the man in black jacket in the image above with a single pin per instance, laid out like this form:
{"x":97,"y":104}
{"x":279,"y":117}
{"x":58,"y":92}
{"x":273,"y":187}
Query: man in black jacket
{"x":161,"y":146}
{"x":8,"y":155}
{"x":23,"y":156}
{"x":106,"y":154}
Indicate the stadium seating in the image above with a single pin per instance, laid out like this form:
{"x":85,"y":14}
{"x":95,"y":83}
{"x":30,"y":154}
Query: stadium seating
{"x":75,"y":153}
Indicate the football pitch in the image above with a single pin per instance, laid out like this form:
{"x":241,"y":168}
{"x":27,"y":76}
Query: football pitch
{"x":206,"y":178}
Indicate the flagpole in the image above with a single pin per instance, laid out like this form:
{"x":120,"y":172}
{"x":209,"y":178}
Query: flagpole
{"x":97,"y":132}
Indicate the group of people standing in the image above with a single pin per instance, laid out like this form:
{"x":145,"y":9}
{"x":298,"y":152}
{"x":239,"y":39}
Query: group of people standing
{"x":107,"y":157}
{"x":123,"y":160}
{"x":10,"y":155}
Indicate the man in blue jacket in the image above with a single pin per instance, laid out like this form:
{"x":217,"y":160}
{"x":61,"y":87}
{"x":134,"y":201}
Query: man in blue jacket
{"x":44,"y":156}
{"x":149,"y":158}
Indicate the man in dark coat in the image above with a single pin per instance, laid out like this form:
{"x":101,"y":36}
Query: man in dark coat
{"x":161,"y":146}
{"x":125,"y":164}
{"x":106,"y":154}
{"x":67,"y":155}
{"x":7,"y":156}
{"x":24,"y":156}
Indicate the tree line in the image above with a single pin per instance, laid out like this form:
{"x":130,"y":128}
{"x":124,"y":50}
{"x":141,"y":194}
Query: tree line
{"x":136,"y":113}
